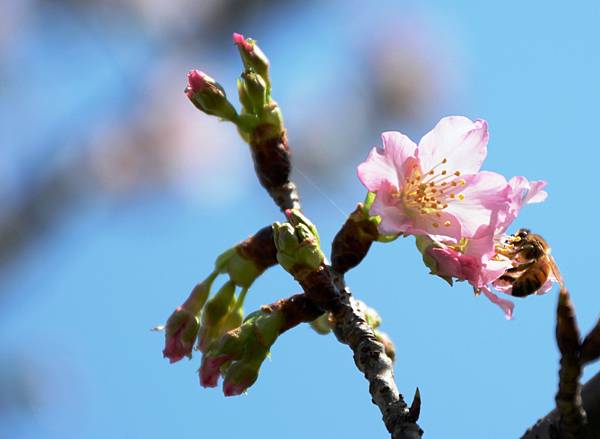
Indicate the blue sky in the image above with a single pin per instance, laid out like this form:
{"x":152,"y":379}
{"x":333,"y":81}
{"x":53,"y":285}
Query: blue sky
{"x":80,"y":304}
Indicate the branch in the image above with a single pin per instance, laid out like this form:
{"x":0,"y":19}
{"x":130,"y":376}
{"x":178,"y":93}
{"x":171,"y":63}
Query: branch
{"x":261,"y":125}
{"x":577,"y":413}
{"x":548,"y":427}
{"x":326,"y":288}
{"x":568,"y":398}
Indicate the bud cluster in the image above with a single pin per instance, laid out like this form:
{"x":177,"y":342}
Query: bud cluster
{"x":298,"y":246}
{"x":239,"y":353}
{"x":206,"y":320}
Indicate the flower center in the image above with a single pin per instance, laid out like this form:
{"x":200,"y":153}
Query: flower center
{"x":430,"y":192}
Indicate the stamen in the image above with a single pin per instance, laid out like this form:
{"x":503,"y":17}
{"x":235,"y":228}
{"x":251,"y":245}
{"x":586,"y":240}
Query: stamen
{"x":435,"y":225}
{"x":461,"y":197}
{"x":447,"y":223}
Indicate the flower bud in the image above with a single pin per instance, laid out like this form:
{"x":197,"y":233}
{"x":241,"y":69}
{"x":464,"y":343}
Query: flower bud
{"x":372,"y":317}
{"x":214,"y":315}
{"x":252,"y":56}
{"x":253,"y":92}
{"x":239,"y":353}
{"x":180,"y":334}
{"x":208,"y":96}
{"x":297,"y":244}
{"x":440,"y":261}
{"x":388,"y":344}
{"x":240,"y":376}
{"x":182,"y":327}
{"x":322,"y":324}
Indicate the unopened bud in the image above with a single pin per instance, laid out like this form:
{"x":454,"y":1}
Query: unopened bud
{"x":239,"y":353}
{"x":322,"y":324}
{"x":217,"y":307}
{"x":208,"y":96}
{"x":388,"y":344}
{"x":372,"y":317}
{"x":440,"y":261}
{"x":252,"y":56}
{"x":180,"y":334}
{"x":253,"y":92}
{"x":241,"y":375}
{"x":298,"y":250}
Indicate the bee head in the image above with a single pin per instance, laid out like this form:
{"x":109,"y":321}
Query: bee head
{"x":522,"y":233}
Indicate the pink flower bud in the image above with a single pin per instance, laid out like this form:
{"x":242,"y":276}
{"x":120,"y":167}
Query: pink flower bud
{"x":239,"y":377}
{"x":253,"y":57}
{"x":210,"y":370}
{"x":197,"y":81}
{"x":241,"y":42}
{"x":180,"y":334}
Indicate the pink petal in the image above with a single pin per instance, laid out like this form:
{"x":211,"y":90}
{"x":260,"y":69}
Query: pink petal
{"x":521,"y":192}
{"x":493,"y":269}
{"x":462,"y":142}
{"x":535,"y":193}
{"x":401,"y":148}
{"x":393,"y":218}
{"x":377,"y":169}
{"x":446,"y":226}
{"x":484,"y":195}
{"x":506,"y":305}
{"x":387,"y":163}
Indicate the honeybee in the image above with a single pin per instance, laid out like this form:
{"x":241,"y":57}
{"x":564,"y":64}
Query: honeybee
{"x":531,"y":254}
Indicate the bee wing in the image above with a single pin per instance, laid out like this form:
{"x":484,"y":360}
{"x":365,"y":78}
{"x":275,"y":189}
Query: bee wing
{"x":556,"y":271}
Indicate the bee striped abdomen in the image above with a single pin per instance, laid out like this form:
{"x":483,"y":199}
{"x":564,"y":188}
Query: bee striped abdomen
{"x":531,"y":280}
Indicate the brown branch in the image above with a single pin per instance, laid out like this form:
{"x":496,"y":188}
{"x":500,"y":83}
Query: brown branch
{"x":353,"y":241}
{"x":272,"y":163}
{"x":570,"y":418}
{"x":549,"y":426}
{"x":259,"y":248}
{"x":590,"y":348}
{"x":326,"y":288}
{"x":568,"y":397}
{"x":296,"y":309}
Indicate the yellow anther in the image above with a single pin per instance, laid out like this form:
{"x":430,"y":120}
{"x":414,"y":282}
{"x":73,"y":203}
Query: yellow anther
{"x":462,"y":182}
{"x":457,"y":173}
{"x":447,"y":223}
{"x":452,"y":195}
{"x":461,"y":197}
{"x":454,"y":183}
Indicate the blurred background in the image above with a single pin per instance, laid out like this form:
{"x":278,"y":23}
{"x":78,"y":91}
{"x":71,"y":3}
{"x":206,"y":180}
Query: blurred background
{"x":116,"y":195}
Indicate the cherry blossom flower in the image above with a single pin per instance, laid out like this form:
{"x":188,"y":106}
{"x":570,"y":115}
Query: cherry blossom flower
{"x":435,"y":188}
{"x":477,"y":261}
